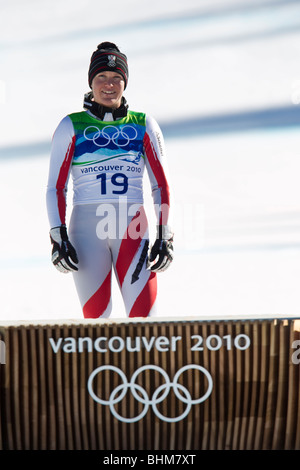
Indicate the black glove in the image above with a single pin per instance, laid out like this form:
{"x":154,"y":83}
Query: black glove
{"x":161,"y":253}
{"x":62,"y":251}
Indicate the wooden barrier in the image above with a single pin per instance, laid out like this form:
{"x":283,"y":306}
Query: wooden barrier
{"x":151,"y":385}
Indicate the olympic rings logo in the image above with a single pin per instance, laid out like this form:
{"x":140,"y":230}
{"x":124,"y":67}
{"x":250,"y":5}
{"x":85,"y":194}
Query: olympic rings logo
{"x":117,"y":135}
{"x":141,"y":395}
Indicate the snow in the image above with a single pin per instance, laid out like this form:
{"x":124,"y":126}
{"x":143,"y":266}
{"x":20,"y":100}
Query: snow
{"x":237,"y":194}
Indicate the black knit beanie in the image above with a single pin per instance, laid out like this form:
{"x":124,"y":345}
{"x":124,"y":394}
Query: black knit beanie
{"x":108,"y":57}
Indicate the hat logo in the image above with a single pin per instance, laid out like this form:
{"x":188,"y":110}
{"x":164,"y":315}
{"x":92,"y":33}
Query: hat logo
{"x":111,"y":61}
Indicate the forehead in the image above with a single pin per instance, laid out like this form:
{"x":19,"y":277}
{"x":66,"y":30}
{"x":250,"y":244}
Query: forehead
{"x":109,"y":74}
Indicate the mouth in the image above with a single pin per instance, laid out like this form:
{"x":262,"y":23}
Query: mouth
{"x":108,"y":92}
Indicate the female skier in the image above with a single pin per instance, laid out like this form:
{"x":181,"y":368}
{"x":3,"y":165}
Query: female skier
{"x":106,"y":149}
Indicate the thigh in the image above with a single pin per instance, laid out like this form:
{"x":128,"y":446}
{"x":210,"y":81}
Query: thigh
{"x":93,"y":279}
{"x":130,"y":252}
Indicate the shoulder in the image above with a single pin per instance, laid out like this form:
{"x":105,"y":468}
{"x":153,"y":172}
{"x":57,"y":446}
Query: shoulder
{"x":81,"y":116}
{"x":137,"y":117}
{"x":152,"y":126}
{"x":150,"y":121}
{"x":77,"y":114}
{"x":72,"y":124}
{"x":144,"y":119}
{"x":81,"y":120}
{"x":64,"y":127}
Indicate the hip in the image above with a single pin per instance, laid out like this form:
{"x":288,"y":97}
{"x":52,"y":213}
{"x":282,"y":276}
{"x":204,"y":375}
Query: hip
{"x":110,"y":220}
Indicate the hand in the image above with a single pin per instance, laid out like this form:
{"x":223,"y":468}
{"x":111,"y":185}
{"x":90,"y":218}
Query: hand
{"x":63,"y":251}
{"x":161,"y":254}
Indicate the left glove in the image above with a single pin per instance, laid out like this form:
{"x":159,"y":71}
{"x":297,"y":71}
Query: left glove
{"x":161,"y":253}
{"x":63,"y":252}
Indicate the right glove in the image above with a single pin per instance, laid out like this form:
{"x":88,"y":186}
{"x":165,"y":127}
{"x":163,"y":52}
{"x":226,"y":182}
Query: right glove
{"x":63,"y":251}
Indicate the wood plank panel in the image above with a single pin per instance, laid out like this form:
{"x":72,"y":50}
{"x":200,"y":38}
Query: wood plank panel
{"x":86,"y":385}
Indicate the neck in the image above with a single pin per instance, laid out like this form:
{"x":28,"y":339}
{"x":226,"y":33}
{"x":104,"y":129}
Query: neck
{"x":100,"y":111}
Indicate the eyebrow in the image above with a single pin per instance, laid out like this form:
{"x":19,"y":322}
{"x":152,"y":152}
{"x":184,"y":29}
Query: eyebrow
{"x":115,"y":75}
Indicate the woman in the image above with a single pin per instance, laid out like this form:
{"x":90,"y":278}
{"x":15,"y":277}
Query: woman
{"x":106,"y":149}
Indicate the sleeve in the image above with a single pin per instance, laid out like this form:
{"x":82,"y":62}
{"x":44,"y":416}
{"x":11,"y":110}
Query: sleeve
{"x":62,"y":150}
{"x":156,"y":165}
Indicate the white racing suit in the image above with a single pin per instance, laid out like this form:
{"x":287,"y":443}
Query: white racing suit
{"x":108,"y":225}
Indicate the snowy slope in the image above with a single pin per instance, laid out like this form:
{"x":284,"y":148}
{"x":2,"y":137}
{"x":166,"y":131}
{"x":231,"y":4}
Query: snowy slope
{"x":194,"y":65}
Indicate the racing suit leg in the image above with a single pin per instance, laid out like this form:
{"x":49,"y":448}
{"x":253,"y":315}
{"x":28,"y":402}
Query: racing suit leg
{"x":93,"y":278}
{"x":130,"y":253}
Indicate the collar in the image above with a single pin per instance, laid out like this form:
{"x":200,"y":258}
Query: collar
{"x":100,"y":111}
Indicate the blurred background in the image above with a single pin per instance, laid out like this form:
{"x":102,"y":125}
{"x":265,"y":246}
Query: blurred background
{"x":222,"y":78}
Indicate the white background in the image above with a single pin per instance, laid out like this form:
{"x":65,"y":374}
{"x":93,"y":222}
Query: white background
{"x":236,"y":193}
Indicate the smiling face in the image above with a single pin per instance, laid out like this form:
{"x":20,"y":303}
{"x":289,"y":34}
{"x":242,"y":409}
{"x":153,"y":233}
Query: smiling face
{"x":108,"y":88}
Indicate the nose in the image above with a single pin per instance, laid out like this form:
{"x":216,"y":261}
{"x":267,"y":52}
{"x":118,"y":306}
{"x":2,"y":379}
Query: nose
{"x":109,"y":81}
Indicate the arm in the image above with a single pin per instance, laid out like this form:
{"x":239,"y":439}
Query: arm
{"x":62,"y":150}
{"x":158,"y":174}
{"x":63,"y":253}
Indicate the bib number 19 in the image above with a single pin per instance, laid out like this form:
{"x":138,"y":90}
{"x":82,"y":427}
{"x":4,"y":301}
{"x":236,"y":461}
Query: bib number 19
{"x":119,"y":180}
